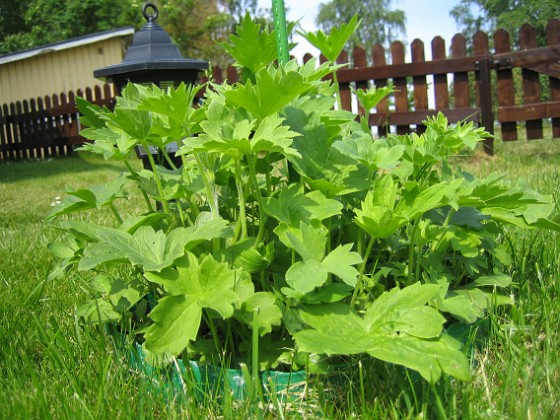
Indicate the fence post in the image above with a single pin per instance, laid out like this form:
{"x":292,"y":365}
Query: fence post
{"x":485,"y":102}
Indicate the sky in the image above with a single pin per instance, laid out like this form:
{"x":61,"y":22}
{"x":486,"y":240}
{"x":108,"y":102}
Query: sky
{"x":424,"y":20}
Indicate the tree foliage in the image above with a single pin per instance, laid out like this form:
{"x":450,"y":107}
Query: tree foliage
{"x":30,"y":23}
{"x":196,"y":26}
{"x":506,"y":14}
{"x":380,"y":22}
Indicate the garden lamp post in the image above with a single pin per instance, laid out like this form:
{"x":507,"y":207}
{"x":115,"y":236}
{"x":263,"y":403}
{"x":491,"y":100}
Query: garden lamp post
{"x":152,"y":58}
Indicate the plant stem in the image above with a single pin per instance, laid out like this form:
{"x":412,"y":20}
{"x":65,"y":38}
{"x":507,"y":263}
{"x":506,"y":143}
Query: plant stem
{"x":168,"y":159}
{"x":255,"y":348}
{"x":146,"y":198}
{"x":209,"y":190}
{"x":360,"y":285}
{"x":156,"y":176}
{"x":116,"y":213}
{"x":217,"y":342}
{"x":241,"y":199}
{"x":337,"y":87}
{"x":262,"y":214}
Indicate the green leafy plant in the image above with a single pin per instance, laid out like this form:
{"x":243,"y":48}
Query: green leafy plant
{"x":289,"y":230}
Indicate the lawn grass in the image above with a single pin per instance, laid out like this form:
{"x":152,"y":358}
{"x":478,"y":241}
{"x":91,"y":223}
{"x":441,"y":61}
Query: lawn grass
{"x":53,"y":367}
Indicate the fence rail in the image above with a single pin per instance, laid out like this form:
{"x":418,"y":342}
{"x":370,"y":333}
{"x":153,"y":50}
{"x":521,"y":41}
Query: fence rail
{"x":519,"y":89}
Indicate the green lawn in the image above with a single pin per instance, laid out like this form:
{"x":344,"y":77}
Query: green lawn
{"x":52,"y":366}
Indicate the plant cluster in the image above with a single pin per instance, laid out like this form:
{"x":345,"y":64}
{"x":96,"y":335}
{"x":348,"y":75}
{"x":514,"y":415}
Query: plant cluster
{"x":289,"y":232}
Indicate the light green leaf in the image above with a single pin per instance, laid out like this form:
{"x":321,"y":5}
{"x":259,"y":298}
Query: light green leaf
{"x":273,"y":90}
{"x":293,"y":206}
{"x":309,"y":240}
{"x":306,"y":275}
{"x":340,"y":262}
{"x":176,"y":322}
{"x":251,"y":46}
{"x":331,"y":45}
{"x":98,"y":311}
{"x":497,"y":280}
{"x":192,"y":285}
{"x":268,"y":313}
{"x":383,"y":309}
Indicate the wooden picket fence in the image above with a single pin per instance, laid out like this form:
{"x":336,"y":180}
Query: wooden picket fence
{"x":46,"y":127}
{"x":502,"y":87}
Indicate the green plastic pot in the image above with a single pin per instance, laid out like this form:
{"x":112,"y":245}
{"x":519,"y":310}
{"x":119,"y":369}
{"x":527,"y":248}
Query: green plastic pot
{"x":216,"y":381}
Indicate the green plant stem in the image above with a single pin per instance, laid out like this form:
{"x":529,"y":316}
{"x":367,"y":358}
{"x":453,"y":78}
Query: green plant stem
{"x":144,"y":194}
{"x":242,"y":222}
{"x":116,"y":213}
{"x":337,"y":87}
{"x":214,"y":330}
{"x":255,"y":348}
{"x":168,"y":159}
{"x":411,"y":249}
{"x":262,"y":214}
{"x":209,"y":190}
{"x":359,"y":287}
{"x":157,"y":178}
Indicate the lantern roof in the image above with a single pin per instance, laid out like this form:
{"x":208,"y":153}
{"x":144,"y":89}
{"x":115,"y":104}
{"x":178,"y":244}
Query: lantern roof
{"x":152,"y":56}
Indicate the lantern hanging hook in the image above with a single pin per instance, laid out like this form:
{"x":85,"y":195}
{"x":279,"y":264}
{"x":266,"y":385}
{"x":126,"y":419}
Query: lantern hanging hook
{"x":150,"y":17}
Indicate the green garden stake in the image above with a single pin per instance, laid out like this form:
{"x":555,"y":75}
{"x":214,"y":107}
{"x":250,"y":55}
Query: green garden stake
{"x":279,"y":15}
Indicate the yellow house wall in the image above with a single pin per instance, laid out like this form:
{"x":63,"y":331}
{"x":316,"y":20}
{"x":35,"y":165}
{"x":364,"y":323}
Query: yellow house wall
{"x":58,"y":71}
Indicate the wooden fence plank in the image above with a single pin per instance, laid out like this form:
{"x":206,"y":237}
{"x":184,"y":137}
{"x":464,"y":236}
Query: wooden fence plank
{"x":378,"y":56}
{"x":531,"y":87}
{"x":401,"y":90}
{"x":553,"y":37}
{"x":419,"y":82}
{"x":461,"y":96}
{"x":505,"y":86}
{"x":360,"y":60}
{"x":441,"y":92}
{"x":484,"y":87}
{"x":345,"y":93}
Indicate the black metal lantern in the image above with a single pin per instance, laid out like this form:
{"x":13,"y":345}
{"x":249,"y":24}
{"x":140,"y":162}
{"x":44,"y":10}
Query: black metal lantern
{"x":152,"y":58}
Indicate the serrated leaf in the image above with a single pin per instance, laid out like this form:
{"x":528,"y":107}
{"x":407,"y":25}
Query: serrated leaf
{"x":250,"y":46}
{"x":308,"y":241}
{"x":332,"y":45}
{"x":176,"y":322}
{"x":340,"y":262}
{"x":273,"y":90}
{"x":337,"y":329}
{"x":192,"y":285}
{"x":293,"y":206}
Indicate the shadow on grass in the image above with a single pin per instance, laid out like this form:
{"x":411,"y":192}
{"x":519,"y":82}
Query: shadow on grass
{"x":39,"y":169}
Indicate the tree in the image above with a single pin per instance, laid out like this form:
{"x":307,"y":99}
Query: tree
{"x":30,"y":23}
{"x":506,"y":14}
{"x":380,"y":23}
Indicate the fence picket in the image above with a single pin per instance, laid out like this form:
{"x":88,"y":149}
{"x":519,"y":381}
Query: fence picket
{"x":419,"y":82}
{"x":441,"y":90}
{"x":378,"y":56}
{"x":552,"y":38}
{"x":401,"y":93}
{"x":505,"y":86}
{"x":531,"y":88}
